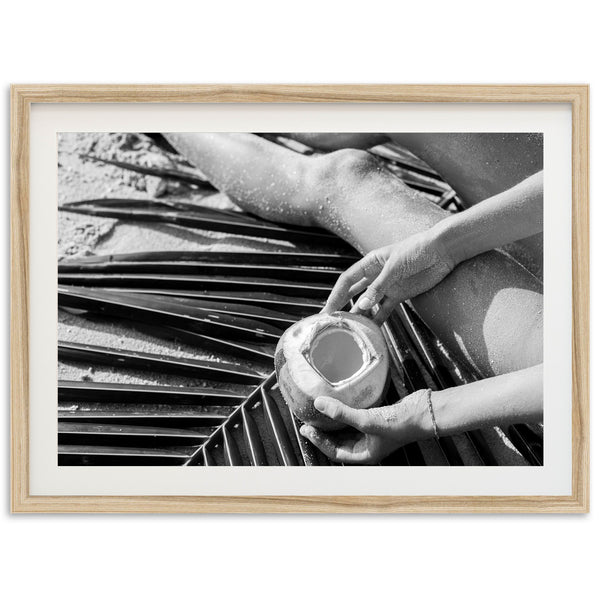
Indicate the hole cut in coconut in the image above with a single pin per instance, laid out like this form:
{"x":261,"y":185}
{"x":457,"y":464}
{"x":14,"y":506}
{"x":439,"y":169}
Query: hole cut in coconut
{"x":336,"y":355}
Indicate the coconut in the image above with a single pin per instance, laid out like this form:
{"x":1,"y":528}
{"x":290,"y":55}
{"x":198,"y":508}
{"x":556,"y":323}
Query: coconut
{"x":341,"y":355}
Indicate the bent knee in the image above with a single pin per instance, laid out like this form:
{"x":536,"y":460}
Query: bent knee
{"x":345,"y":165}
{"x":341,"y":177}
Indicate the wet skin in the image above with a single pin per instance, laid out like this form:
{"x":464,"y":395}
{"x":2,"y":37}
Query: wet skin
{"x":489,"y":309}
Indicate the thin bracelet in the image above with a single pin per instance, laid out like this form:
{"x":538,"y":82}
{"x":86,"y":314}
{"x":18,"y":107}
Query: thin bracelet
{"x":436,"y":432}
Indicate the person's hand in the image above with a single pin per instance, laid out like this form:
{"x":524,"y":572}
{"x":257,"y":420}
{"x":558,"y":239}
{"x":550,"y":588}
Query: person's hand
{"x":392,"y":274}
{"x":374,"y":433}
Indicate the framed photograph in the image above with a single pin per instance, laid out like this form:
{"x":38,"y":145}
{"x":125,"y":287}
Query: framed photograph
{"x":222,"y":295}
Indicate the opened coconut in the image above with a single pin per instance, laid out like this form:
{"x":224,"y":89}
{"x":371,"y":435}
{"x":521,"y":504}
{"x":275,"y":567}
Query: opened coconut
{"x":341,"y":355}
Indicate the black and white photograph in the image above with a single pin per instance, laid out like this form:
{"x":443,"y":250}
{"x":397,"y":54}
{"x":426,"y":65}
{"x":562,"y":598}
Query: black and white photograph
{"x":300,"y":299}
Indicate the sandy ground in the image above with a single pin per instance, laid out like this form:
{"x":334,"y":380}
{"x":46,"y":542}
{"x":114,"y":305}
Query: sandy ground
{"x":82,"y":235}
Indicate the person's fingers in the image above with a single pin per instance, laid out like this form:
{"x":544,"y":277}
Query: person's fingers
{"x":337,"y":450}
{"x":374,"y":292}
{"x":338,"y":411}
{"x":359,"y":287}
{"x":386,"y":307}
{"x":340,"y":294}
{"x":321,"y":440}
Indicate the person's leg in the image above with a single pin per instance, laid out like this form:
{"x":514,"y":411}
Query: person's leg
{"x":489,"y":310}
{"x":261,"y":177}
{"x":476,"y":165}
{"x":278,"y":184}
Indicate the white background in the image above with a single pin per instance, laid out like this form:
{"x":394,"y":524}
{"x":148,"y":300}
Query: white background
{"x":299,"y":556}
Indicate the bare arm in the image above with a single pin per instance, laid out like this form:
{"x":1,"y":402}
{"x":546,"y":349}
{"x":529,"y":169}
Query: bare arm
{"x":509,"y":216}
{"x":502,"y":400}
{"x":408,"y":268}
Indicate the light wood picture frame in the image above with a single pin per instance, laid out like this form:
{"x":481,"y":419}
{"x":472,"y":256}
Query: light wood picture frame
{"x":22,"y":98}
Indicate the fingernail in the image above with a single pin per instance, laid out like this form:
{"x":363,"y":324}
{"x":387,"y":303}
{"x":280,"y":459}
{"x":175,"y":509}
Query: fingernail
{"x":304,"y":431}
{"x":364,"y":303}
{"x":320,"y":403}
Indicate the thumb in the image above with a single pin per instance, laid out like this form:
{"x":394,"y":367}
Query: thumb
{"x":374,"y":293}
{"x":338,"y":411}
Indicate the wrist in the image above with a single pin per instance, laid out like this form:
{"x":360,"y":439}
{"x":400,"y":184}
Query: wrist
{"x":448,"y":243}
{"x":418,"y":422}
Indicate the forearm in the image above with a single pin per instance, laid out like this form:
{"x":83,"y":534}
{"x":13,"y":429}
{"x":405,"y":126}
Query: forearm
{"x":376,"y":432}
{"x":512,"y":215}
{"x":502,"y":400}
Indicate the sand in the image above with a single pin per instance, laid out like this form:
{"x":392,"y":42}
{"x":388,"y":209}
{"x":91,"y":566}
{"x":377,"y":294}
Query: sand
{"x":83,"y":235}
